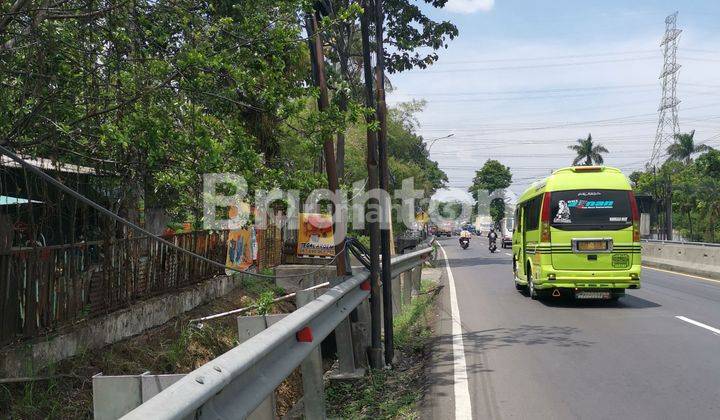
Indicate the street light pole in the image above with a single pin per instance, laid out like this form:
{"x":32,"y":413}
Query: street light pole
{"x":433,"y":141}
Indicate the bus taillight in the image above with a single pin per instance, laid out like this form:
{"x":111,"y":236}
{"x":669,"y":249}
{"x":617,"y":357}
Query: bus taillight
{"x":635,"y":216}
{"x":545,"y":218}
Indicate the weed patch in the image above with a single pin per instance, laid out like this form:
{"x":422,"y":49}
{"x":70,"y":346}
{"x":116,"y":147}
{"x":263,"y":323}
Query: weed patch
{"x":392,"y":393}
{"x":174,"y":347}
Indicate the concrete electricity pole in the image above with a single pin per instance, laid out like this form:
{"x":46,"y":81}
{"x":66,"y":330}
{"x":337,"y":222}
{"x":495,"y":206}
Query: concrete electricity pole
{"x":385,"y":236}
{"x":318,"y":66}
{"x":668,"y":125}
{"x":375,"y":354}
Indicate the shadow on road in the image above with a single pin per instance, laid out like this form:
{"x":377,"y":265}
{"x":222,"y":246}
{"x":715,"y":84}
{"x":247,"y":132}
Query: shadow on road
{"x":478,"y":261}
{"x":477,"y":342}
{"x":626,"y":302}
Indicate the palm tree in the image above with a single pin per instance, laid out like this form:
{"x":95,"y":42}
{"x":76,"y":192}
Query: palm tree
{"x":684,"y":147}
{"x":588,"y":152}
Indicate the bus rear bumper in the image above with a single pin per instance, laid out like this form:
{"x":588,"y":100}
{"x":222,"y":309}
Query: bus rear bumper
{"x":558,"y":279}
{"x":588,"y":285}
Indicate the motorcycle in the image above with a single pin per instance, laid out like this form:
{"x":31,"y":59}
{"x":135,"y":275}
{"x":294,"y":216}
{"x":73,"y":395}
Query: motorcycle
{"x":492,"y":247}
{"x":464,"y":242}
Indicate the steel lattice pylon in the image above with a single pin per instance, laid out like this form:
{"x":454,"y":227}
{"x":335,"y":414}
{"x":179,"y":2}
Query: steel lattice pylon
{"x":668,"y":124}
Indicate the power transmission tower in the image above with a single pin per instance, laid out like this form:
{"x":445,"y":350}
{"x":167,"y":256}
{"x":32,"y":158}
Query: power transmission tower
{"x":668,"y":124}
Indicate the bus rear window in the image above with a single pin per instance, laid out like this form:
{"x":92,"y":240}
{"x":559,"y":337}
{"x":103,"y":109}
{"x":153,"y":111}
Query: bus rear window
{"x":590,"y":209}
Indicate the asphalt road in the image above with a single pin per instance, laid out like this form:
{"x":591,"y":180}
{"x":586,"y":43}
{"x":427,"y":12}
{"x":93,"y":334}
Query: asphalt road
{"x":514,"y":358}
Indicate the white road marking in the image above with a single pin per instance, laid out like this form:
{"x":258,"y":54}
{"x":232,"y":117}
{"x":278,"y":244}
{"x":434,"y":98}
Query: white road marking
{"x":699,"y":324}
{"x":508,"y":254}
{"x":681,"y":274}
{"x":463,"y":409}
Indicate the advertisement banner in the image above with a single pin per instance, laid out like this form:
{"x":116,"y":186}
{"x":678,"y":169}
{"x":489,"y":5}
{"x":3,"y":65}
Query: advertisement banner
{"x":315,"y":235}
{"x":239,"y":249}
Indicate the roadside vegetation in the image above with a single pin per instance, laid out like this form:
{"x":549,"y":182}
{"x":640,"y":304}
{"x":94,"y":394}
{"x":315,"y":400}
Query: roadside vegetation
{"x":393,"y":393}
{"x":154,"y":94}
{"x":690,"y":180}
{"x":174,"y":347}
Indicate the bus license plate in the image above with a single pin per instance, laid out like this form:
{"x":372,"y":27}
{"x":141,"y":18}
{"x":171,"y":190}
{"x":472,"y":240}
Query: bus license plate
{"x":592,"y":245}
{"x":592,"y":294}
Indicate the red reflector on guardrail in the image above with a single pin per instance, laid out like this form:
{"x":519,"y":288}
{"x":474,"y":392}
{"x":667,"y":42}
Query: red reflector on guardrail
{"x":304,"y":335}
{"x":365,"y":285}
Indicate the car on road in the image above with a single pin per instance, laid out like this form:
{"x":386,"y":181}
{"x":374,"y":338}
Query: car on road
{"x":506,"y":240}
{"x":506,"y":228}
{"x":578,"y":233}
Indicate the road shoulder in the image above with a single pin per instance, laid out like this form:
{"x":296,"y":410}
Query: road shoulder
{"x":440,"y":394}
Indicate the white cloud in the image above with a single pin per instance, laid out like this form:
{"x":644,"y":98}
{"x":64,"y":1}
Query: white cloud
{"x":469,"y":6}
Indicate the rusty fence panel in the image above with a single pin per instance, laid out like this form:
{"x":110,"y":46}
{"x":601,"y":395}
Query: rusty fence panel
{"x":270,"y":247}
{"x":44,"y":288}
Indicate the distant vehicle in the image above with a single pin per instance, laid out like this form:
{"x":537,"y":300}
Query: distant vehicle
{"x":444,"y":230}
{"x":578,"y":233}
{"x":506,"y":227}
{"x":483,"y":224}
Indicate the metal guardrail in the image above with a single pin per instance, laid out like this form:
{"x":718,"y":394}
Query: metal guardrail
{"x":234,"y":384}
{"x":662,"y":241}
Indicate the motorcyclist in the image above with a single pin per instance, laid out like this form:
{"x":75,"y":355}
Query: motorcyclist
{"x":464,"y":235}
{"x":492,"y":236}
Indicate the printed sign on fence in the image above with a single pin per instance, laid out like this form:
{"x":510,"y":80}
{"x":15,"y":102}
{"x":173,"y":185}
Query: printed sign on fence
{"x":239,"y":249}
{"x":315,"y":235}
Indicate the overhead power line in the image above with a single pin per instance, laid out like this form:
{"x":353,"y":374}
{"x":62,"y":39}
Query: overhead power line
{"x":549,"y":57}
{"x":534,"y":66}
{"x":525,"y":91}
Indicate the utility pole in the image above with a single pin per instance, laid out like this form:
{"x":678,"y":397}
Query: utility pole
{"x":318,"y":64}
{"x":668,"y":125}
{"x":375,"y":353}
{"x":385,"y":239}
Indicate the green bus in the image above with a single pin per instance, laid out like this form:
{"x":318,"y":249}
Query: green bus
{"x":577,"y":233}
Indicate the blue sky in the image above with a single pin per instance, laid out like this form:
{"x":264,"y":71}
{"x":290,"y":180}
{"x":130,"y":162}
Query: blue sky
{"x":526,"y":78}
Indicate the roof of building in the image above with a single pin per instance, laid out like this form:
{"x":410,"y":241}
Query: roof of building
{"x":9,"y":201}
{"x":48,"y":165}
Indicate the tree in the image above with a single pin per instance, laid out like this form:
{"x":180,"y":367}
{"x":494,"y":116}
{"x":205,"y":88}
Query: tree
{"x":411,"y":34}
{"x":408,"y":155}
{"x":588,"y":151}
{"x":414,"y":39}
{"x":684,"y":147}
{"x":156,"y":93}
{"x":695,"y":193}
{"x":492,"y":177}
{"x":450,"y":209}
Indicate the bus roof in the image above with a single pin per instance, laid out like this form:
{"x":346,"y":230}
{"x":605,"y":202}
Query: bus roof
{"x":578,"y":177}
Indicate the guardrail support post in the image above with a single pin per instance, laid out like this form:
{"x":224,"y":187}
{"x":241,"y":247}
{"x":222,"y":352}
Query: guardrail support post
{"x":361,"y":335}
{"x":396,"y":295}
{"x":312,"y":372}
{"x":416,"y":273}
{"x":406,"y":280}
{"x":248,"y":327}
{"x":345,"y":351}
